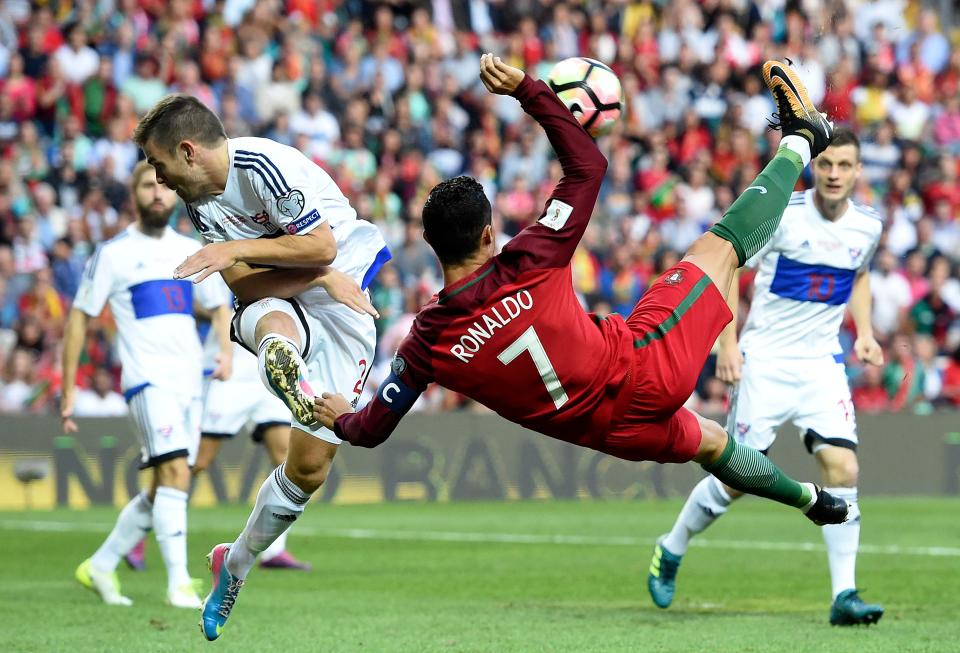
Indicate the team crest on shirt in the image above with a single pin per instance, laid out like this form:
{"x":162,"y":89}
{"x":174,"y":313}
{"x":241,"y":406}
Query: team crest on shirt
{"x":743,"y":428}
{"x":165,"y":431}
{"x":291,"y":205}
{"x":855,"y":253}
{"x":673,"y":278}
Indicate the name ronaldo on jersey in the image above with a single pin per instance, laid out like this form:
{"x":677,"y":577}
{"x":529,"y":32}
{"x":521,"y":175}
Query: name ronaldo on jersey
{"x":496,"y":318}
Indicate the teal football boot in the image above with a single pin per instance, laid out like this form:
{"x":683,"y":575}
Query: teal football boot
{"x":662,"y":580}
{"x":848,"y":609}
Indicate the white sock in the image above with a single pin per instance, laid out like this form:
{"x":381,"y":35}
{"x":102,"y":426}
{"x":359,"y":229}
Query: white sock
{"x":279,"y":503}
{"x":279,"y":546}
{"x":797,"y":144}
{"x":262,"y":358}
{"x":170,"y":527}
{"x":706,"y":503}
{"x":133,"y":522}
{"x":842,"y":542}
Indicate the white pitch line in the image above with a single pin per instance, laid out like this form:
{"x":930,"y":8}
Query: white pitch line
{"x":509,"y":538}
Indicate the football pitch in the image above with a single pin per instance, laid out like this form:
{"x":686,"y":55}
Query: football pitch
{"x":495,"y":577}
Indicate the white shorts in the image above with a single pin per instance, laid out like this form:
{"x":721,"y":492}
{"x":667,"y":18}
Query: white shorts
{"x":230,"y":405}
{"x":812,"y":394}
{"x":338,"y":350}
{"x":167,"y":422}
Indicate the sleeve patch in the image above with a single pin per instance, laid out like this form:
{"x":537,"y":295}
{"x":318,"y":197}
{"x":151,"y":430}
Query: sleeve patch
{"x":291,"y":204}
{"x":557,"y":215}
{"x":304,"y":222}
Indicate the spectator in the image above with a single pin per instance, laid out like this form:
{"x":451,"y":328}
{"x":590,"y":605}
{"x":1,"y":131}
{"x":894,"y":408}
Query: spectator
{"x":319,"y":125}
{"x":100,"y":400}
{"x":951,"y":380}
{"x":933,"y":45}
{"x":77,"y":60}
{"x":869,"y":394}
{"x":946,"y":126}
{"x":144,"y":88}
{"x":909,"y":113}
{"x":902,"y":377}
{"x":20,"y":89}
{"x":18,"y":388}
{"x":932,"y":316}
{"x":926,"y":352}
{"x":891,"y":296}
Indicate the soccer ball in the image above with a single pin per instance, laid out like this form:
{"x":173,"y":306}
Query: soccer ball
{"x":590,"y":90}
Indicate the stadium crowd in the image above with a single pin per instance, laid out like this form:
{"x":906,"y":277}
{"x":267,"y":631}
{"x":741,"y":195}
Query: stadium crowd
{"x":385,"y":97}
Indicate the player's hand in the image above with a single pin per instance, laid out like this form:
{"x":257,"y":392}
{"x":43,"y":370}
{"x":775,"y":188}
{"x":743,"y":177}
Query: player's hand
{"x":868,"y":350}
{"x":209,"y":259}
{"x":729,"y":364}
{"x":328,"y":407}
{"x":346,"y":291}
{"x":497,"y":76}
{"x":224,"y":369}
{"x":66,"y":413}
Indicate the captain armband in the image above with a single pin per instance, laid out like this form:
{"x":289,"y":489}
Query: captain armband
{"x":394,"y":393}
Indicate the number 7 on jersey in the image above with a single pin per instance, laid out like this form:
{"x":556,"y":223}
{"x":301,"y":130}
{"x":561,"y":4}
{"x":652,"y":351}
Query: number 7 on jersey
{"x":529,"y":341}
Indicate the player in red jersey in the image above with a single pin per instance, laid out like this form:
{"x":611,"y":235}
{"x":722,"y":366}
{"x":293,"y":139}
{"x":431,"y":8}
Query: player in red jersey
{"x":507,"y":329}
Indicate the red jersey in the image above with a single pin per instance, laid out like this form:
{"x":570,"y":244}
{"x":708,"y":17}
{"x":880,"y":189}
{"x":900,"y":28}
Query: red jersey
{"x":513,"y":335}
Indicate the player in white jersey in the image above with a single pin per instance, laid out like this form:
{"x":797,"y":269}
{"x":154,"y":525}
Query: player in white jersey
{"x":788,"y":365}
{"x":262,"y":414}
{"x":260,"y":203}
{"x":160,"y":354}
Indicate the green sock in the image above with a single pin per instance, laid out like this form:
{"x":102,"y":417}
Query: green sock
{"x":746,"y":469}
{"x":753,"y":218}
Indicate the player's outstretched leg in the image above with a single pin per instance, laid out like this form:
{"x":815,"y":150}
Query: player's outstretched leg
{"x":280,"y":502}
{"x":753,"y":218}
{"x":98,"y":573}
{"x":747,"y":470}
{"x":276,"y":439}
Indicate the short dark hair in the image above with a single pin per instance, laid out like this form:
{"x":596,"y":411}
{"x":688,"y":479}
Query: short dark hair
{"x":454,"y":215}
{"x":846,"y":136}
{"x":177,"y":118}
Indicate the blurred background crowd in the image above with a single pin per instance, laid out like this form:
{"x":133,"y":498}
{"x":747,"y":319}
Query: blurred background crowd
{"x":385,"y":97}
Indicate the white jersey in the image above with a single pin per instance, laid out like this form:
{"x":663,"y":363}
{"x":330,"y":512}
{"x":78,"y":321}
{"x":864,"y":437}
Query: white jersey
{"x":272,"y":190}
{"x":158,"y":341}
{"x":805,"y":277}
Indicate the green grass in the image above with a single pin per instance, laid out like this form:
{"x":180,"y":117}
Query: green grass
{"x":413,"y":582}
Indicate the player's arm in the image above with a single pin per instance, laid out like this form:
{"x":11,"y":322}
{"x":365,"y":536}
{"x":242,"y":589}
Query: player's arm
{"x":554,"y":237}
{"x":74,"y":335}
{"x":375,"y":422}
{"x":313,"y":249}
{"x":95,"y":287}
{"x":866,"y":347}
{"x":729,"y":357}
{"x":250,"y":284}
{"x":220,"y":322}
